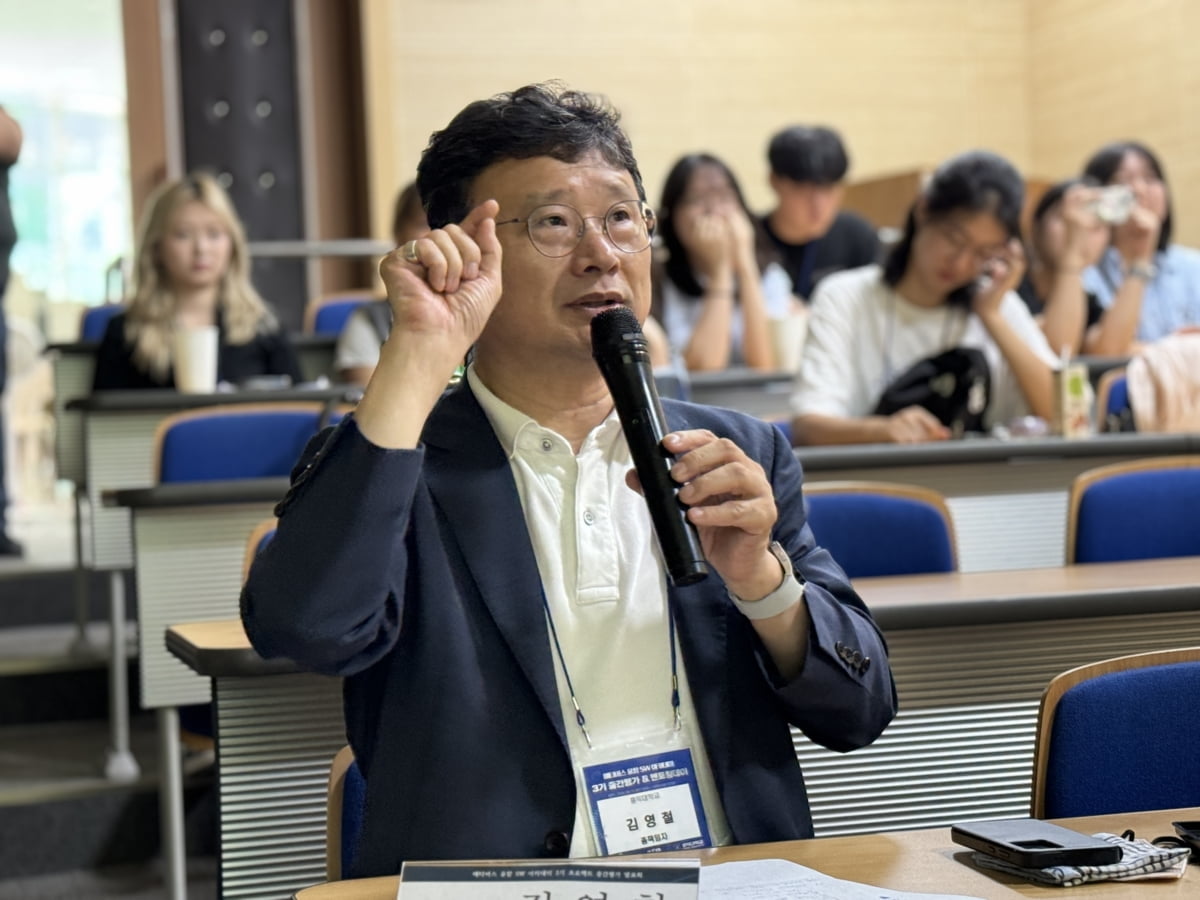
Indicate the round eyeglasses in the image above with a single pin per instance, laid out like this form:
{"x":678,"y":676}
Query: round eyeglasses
{"x":555,"y":230}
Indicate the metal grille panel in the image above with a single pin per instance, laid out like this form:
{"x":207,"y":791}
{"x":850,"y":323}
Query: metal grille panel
{"x":189,"y":569}
{"x":120,"y":455}
{"x":962,"y":745}
{"x":72,"y":379}
{"x":1034,"y":527}
{"x":278,"y":736}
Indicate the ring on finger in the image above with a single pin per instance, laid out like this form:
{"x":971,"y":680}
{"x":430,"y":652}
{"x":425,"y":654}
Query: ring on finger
{"x":408,"y":252}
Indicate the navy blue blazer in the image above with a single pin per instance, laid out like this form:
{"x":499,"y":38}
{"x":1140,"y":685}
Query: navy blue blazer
{"x":411,"y":573}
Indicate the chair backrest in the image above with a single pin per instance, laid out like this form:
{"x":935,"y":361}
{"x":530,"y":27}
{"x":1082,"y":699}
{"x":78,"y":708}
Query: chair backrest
{"x":1119,"y":736}
{"x":328,"y":314}
{"x":260,"y":440}
{"x":344,"y":808}
{"x":1112,"y":399}
{"x":1143,"y":509}
{"x":95,"y":320}
{"x":878,"y":528}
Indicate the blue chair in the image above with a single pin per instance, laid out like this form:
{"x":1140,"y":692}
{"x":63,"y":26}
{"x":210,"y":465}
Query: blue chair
{"x":1144,"y":509}
{"x":1119,"y":736}
{"x":95,"y":321}
{"x":877,"y":528}
{"x":1112,"y":401}
{"x":221,"y":443}
{"x":327,"y":315}
{"x":345,"y":805}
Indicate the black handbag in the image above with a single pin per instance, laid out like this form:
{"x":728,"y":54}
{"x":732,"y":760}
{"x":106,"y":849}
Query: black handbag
{"x":955,"y":385}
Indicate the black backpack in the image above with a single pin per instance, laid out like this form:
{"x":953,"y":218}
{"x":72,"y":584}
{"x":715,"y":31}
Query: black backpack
{"x":955,"y":385}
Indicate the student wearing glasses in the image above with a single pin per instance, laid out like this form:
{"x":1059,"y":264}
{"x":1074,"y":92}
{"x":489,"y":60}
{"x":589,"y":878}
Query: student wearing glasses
{"x":478,"y":567}
{"x":948,"y":283}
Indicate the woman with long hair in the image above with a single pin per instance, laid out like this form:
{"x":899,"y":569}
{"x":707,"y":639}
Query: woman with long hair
{"x":1150,"y":285}
{"x":1068,"y":234}
{"x":191,"y":270}
{"x":717,"y":286}
{"x":948,"y":283}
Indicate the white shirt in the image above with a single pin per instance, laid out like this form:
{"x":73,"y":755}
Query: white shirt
{"x":862,"y":335}
{"x":605,"y":584}
{"x":358,"y":343}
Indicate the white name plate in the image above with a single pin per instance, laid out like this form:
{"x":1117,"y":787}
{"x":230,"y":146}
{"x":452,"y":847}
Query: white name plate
{"x":640,"y":879}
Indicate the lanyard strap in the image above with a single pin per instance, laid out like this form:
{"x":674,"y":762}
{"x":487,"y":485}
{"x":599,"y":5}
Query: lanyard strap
{"x":890,"y":333}
{"x":579,"y":717}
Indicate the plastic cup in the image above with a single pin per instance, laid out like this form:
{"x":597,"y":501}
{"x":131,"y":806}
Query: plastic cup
{"x":195,"y":355}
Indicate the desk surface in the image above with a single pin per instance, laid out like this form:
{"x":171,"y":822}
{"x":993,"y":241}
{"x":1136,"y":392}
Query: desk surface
{"x":166,"y":399}
{"x":1022,"y":595}
{"x":902,"y":860}
{"x":990,"y":450}
{"x":298,"y":339}
{"x":220,"y":649}
{"x":199,"y":493}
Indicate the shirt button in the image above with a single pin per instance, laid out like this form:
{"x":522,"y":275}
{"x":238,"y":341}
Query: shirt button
{"x":588,"y":518}
{"x":557,"y":843}
{"x":547,"y":445}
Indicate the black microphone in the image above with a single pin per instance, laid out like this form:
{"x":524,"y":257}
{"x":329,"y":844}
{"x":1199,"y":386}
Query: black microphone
{"x":620,"y":350}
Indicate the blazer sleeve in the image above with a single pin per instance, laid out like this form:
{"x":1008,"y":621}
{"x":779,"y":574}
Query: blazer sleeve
{"x":327,"y":591}
{"x":845,"y":694}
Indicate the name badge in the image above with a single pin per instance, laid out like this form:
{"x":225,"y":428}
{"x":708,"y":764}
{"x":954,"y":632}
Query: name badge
{"x":646,"y":804}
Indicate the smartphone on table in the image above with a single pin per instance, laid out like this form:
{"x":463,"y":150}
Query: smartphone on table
{"x":1034,"y":843}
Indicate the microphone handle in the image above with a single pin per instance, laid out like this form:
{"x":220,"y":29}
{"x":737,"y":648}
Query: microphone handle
{"x":638,"y":407}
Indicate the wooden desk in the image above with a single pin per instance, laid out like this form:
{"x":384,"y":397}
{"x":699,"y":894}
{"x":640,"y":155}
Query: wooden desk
{"x":1008,"y":498}
{"x":918,"y":861}
{"x":971,"y":654}
{"x":763,"y":394}
{"x":276,"y":737}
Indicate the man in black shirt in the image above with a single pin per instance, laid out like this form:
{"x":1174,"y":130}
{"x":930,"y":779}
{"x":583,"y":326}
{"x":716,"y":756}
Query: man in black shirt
{"x":813,"y":238}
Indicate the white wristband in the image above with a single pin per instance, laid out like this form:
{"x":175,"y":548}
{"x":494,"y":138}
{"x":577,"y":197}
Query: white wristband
{"x":783,"y":598}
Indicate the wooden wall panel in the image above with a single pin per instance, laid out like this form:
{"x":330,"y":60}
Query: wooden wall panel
{"x":1103,"y":70}
{"x":908,"y":83}
{"x":148,"y":151}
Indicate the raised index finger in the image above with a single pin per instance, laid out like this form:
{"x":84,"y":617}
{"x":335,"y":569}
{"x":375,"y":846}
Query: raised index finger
{"x":480,"y":226}
{"x":488,"y":209}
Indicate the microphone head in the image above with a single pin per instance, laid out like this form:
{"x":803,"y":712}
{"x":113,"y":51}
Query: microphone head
{"x":616,"y":328}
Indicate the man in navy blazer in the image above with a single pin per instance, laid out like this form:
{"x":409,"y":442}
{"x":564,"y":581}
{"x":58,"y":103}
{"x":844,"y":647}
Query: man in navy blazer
{"x":478,"y":565}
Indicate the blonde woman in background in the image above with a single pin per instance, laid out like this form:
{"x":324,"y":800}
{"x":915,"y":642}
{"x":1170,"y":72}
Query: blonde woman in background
{"x":191,"y":270}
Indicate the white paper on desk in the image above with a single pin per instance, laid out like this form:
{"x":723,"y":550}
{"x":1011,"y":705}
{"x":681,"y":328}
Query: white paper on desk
{"x":778,"y":879}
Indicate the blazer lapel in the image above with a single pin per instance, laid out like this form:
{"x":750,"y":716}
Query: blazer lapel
{"x":701,"y":616}
{"x":467,"y":472}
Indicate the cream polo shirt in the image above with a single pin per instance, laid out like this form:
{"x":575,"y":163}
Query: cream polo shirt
{"x":605,"y":585}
